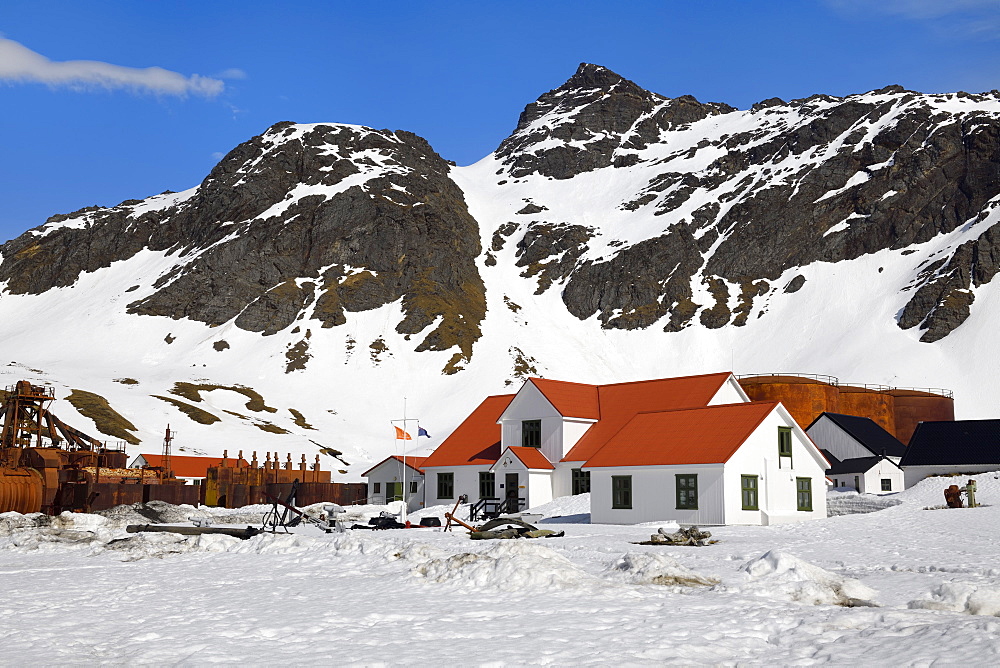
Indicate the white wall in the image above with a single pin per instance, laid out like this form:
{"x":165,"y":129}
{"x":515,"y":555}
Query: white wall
{"x":654,"y":495}
{"x":729,"y":393}
{"x":394,"y":471}
{"x":914,"y":474}
{"x":539,"y":488}
{"x":466,"y":482}
{"x":776,"y":485}
{"x":828,"y":436}
{"x":573,"y":431}
{"x":872,"y":481}
{"x":531,"y":404}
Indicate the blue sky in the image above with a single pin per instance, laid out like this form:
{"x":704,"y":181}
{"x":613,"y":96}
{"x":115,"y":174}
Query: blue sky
{"x":457,"y":73}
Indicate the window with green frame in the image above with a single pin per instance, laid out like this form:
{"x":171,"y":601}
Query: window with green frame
{"x":446,"y":485}
{"x":784,"y":445}
{"x":687,"y":491}
{"x":803,"y":494}
{"x":621,"y":492}
{"x":487,"y":485}
{"x":581,"y":482}
{"x":748,"y":487}
{"x":531,"y":433}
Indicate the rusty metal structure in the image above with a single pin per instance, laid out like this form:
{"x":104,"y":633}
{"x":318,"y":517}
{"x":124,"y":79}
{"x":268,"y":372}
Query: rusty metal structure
{"x":46,"y":465}
{"x":235,"y":483}
{"x":898,"y":410}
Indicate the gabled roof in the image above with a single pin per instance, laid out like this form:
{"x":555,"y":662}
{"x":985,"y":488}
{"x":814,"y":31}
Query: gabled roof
{"x":706,"y":435}
{"x":855,"y":465}
{"x":531,"y":457}
{"x":955,"y":443}
{"x":192,"y":467}
{"x":476,"y":440}
{"x":412,"y":462}
{"x":867,"y":432}
{"x":620,"y":402}
{"x":577,"y":400}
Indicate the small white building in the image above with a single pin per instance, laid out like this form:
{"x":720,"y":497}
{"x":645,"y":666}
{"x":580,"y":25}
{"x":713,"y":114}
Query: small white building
{"x":395,"y":477}
{"x":866,"y":475}
{"x":862,"y":454}
{"x":554,"y":438}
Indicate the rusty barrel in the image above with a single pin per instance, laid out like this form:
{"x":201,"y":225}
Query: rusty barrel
{"x":877,"y":404}
{"x":20,"y":491}
{"x":915,"y":406}
{"x":805,"y":398}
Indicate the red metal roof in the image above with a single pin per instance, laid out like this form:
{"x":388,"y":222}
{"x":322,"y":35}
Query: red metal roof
{"x":476,"y":440}
{"x":413,"y":462}
{"x":620,"y":402}
{"x":570,"y":399}
{"x":707,"y":435}
{"x":531,"y":457}
{"x":192,"y":467}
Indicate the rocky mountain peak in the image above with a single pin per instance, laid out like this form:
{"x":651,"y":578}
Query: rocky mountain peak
{"x":596,"y":119}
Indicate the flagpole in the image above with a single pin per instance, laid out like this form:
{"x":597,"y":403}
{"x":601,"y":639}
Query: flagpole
{"x":403,"y":472}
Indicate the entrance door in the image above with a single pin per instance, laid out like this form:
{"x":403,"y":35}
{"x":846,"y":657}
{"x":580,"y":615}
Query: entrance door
{"x":393,"y":491}
{"x":510,"y":486}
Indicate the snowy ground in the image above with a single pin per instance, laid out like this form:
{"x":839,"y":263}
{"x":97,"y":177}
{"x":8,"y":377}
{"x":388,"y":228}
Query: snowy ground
{"x":901,"y":586}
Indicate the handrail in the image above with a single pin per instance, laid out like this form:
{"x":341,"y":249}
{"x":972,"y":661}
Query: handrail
{"x":823,"y":378}
{"x":836,"y":382}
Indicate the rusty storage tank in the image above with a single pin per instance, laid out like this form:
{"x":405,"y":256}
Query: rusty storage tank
{"x":805,"y":396}
{"x":915,"y":405}
{"x":870,"y":401}
{"x":20,"y":490}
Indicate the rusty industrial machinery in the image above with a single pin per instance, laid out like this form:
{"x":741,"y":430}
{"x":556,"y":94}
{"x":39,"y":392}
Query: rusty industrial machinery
{"x":46,"y":465}
{"x":898,"y":410}
{"x":235,"y":482}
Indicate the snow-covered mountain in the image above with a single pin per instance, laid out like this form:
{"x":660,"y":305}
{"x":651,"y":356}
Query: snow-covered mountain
{"x":322,"y":273}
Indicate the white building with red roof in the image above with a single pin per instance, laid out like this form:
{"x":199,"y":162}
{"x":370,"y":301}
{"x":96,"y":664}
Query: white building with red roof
{"x":692,"y":449}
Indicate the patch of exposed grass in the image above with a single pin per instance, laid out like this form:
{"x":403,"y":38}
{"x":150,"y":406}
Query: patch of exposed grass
{"x":127,"y":381}
{"x":192,"y":392}
{"x":221,"y":345}
{"x":296,"y":356}
{"x":270,"y":428}
{"x":108,"y":420}
{"x":300,"y":419}
{"x":193,"y":412}
{"x":239,"y":415}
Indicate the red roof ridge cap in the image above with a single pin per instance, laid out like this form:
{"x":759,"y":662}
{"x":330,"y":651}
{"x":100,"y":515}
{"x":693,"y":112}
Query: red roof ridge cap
{"x":564,"y":382}
{"x":701,"y":408}
{"x":657,"y":380}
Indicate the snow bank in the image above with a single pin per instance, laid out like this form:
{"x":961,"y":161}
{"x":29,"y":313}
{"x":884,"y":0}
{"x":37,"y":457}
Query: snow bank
{"x":565,"y":510}
{"x":776,"y":574}
{"x":852,"y":503}
{"x":509,"y":565}
{"x":961,"y":597}
{"x":652,"y":568}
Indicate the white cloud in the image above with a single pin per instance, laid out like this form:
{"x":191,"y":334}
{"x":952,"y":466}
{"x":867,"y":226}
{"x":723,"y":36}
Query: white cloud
{"x":19,"y":63}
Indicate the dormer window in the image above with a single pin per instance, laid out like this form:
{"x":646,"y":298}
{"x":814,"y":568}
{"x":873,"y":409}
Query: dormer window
{"x":531,"y":433}
{"x":784,"y":445}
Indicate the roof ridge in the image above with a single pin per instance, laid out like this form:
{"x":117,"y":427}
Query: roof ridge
{"x":564,"y":382}
{"x":701,"y":408}
{"x":657,"y":380}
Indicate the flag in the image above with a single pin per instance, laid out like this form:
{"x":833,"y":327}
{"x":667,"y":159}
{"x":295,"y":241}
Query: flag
{"x":401,"y":434}
{"x":422,"y":432}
